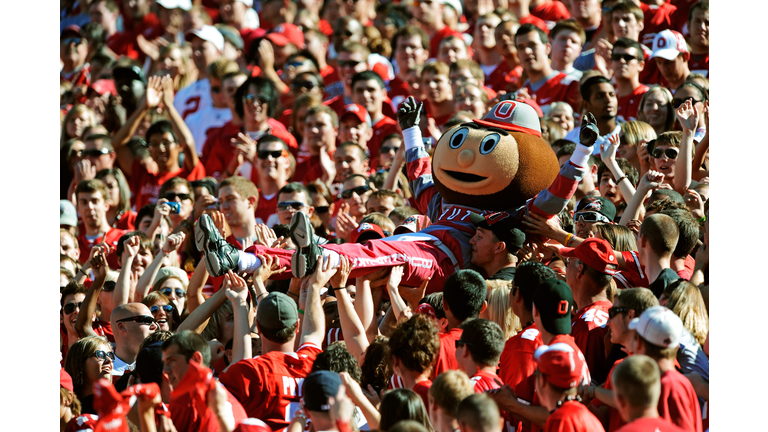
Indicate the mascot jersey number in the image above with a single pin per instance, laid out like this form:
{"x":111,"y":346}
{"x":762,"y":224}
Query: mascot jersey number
{"x":498,"y":165}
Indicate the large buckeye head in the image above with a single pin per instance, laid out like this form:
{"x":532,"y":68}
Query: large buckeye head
{"x":496,"y":163}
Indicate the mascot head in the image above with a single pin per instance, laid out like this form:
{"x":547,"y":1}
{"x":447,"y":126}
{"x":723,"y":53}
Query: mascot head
{"x":496,"y":163}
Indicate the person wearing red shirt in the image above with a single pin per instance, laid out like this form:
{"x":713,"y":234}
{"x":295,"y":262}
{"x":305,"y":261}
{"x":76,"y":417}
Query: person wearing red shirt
{"x":588,"y":15}
{"x":558,"y":375}
{"x":270,"y":385}
{"x":317,"y":43}
{"x":411,"y":50}
{"x":138,"y":20}
{"x":321,"y":128}
{"x":238,"y":197}
{"x":355,"y":126}
{"x":429,"y":16}
{"x":478,"y":351}
{"x":413,"y":346}
{"x":508,"y":73}
{"x":628,"y":61}
{"x":658,"y":16}
{"x":589,"y":272}
{"x":463,"y":298}
{"x":369,"y":91}
{"x":274,"y":168}
{"x":637,"y":381}
{"x":698,"y":26}
{"x":485,"y":42}
{"x":92,"y":207}
{"x":437,"y":84}
{"x":105,"y":13}
{"x":73,"y":53}
{"x":522,"y":10}
{"x":550,"y":11}
{"x":658,"y":331}
{"x":445,"y":396}
{"x":178,"y":351}
{"x":545,"y":83}
{"x":467,"y":71}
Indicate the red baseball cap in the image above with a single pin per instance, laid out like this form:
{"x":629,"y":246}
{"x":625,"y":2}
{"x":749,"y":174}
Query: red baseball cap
{"x":596,"y":253}
{"x":358,"y":111}
{"x":66,"y":381}
{"x":285,"y":33}
{"x":103,"y":86}
{"x":560,"y":364}
{"x":365,"y":232}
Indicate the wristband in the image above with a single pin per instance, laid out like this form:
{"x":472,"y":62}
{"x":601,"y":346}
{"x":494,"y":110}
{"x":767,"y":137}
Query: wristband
{"x":702,"y":220}
{"x":293,"y":294}
{"x":339,"y":288}
{"x":300,"y":311}
{"x":568,"y":239}
{"x":620,"y":179}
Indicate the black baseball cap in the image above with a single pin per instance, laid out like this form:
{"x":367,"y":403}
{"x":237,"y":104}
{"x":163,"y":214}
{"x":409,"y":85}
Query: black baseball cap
{"x":318,"y":387}
{"x":553,"y":299}
{"x":504,"y":226}
{"x":597,"y":204}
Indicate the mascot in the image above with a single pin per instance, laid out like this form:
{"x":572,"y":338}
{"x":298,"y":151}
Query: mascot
{"x":497,"y":167}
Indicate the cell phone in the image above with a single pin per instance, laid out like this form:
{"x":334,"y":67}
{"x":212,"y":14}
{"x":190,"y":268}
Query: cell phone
{"x":175,"y":207}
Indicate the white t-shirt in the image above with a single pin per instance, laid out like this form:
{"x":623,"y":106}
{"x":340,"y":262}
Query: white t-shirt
{"x":193,"y":97}
{"x":206,"y":118}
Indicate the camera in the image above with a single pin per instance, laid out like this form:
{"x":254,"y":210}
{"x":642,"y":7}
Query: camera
{"x":175,"y":207}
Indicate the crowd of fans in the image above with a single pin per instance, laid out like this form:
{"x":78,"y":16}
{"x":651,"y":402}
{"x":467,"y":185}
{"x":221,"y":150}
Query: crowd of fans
{"x":193,"y":131}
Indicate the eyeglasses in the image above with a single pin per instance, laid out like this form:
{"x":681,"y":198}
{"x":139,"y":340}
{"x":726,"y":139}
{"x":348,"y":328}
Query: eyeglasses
{"x":677,"y":102}
{"x":322,"y":209}
{"x":626,"y":57}
{"x":349,"y":63}
{"x":589,"y":217}
{"x":460,"y":343}
{"x":180,"y":293}
{"x":388,"y":149}
{"x":166,"y":308}
{"x":163,"y":144}
{"x":171,"y":196}
{"x":109,"y":286}
{"x":303,"y":85}
{"x":360,"y":190}
{"x":263,"y":154}
{"x":103,"y":355}
{"x":141,"y":319}
{"x":70,"y":307}
{"x":612,"y":312}
{"x":670,"y":153}
{"x":74,"y":40}
{"x":94,"y":153}
{"x":296,"y":205}
{"x":251,"y":99}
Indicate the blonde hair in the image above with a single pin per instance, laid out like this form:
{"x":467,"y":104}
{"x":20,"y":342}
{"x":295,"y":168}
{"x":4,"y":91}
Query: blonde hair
{"x":78,"y":354}
{"x":186,"y":76}
{"x":72,"y":401}
{"x":636,"y":131}
{"x":499,"y":309}
{"x":449,"y":389}
{"x":670,"y":120}
{"x":77,"y":109}
{"x":686,"y":301}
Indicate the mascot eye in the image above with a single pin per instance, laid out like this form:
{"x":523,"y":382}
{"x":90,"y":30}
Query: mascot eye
{"x":458,"y":138}
{"x":489,"y":143}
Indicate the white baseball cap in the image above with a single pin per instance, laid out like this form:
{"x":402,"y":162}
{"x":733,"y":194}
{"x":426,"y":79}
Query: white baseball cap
{"x":513,"y":116}
{"x":455,"y":4}
{"x":173,"y":4}
{"x":208,"y":33}
{"x":668,"y":44}
{"x":659,"y":326}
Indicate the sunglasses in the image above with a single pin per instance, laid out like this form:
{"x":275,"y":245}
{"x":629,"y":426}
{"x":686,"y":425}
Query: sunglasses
{"x":93,"y":152}
{"x":677,"y":102}
{"x":141,"y":319}
{"x":342,"y":33}
{"x":626,"y":57}
{"x":171,"y":196}
{"x":296,"y":205}
{"x":254,"y":98}
{"x":460,"y":343}
{"x":303,"y":85}
{"x":589,"y":217}
{"x":109,"y":286}
{"x":388,"y":149}
{"x":322,"y":209}
{"x":295,"y":64}
{"x":103,"y":355}
{"x":671,"y":153}
{"x":70,"y":307}
{"x":349,"y":63}
{"x":74,"y":40}
{"x":263,"y":154}
{"x":180,"y":293}
{"x":612,"y":312}
{"x":166,"y":308}
{"x":360,"y":190}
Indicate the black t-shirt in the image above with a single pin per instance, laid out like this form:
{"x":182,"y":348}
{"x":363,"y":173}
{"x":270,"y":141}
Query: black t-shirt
{"x":666,"y":277}
{"x":507,"y":273}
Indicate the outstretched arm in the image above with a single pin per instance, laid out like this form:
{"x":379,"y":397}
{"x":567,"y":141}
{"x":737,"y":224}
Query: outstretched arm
{"x":351,"y":326}
{"x":313,"y":329}
{"x":125,"y":283}
{"x":146,"y":280}
{"x":416,"y":157}
{"x":237,"y":292}
{"x":688,"y":116}
{"x":149,"y":101}
{"x":651,"y":180}
{"x":608,"y":154}
{"x":100,"y":267}
{"x":186,"y":141}
{"x":198,"y":319}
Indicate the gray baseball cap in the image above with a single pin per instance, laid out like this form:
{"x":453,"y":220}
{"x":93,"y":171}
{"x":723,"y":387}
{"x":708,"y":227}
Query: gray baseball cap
{"x":68,"y":213}
{"x":276,"y":312}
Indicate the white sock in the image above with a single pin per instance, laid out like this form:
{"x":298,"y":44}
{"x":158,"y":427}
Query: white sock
{"x":333,"y":256}
{"x":247,"y":262}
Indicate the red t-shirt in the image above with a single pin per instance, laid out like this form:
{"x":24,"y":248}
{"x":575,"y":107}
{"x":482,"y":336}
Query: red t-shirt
{"x":504,"y":79}
{"x":655,"y":19}
{"x":422,"y":389}
{"x":678,"y":402}
{"x":628,"y":105}
{"x":689,"y":266}
{"x":185,"y":415}
{"x":650,"y":73}
{"x":434,"y":41}
{"x":398,"y":90}
{"x":127,"y":221}
{"x":634,"y":276}
{"x":538,"y":22}
{"x":614,"y":418}
{"x":269,"y":386}
{"x":699,"y":64}
{"x":124,"y":43}
{"x":656,"y":424}
{"x":588,"y":330}
{"x":146,"y":186}
{"x":560,"y":87}
{"x":446,"y":357}
{"x":265,"y":208}
{"x":516,"y":365}
{"x":572,"y":416}
{"x":484,"y":381}
{"x":382,"y":128}
{"x":325,"y":27}
{"x":551,"y":12}
{"x":111,"y":238}
{"x":331,"y":336}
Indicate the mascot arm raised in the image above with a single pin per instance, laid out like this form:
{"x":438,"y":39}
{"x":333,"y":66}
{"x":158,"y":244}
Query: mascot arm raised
{"x":552,"y":201}
{"x":418,"y":164}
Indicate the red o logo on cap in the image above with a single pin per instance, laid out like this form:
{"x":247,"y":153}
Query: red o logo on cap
{"x":562,"y":308}
{"x":504,"y":110}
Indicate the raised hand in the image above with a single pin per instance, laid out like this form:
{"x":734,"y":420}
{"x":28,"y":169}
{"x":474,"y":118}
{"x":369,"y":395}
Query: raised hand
{"x":409,"y":113}
{"x":84,"y":170}
{"x":265,"y":235}
{"x":651,"y":180}
{"x":236,"y":288}
{"x":167,"y":84}
{"x":173,"y":242}
{"x":589,"y":131}
{"x":341,"y":406}
{"x":694,"y":203}
{"x":339,"y":280}
{"x":154,"y":92}
{"x":634,"y":225}
{"x":323,"y":272}
{"x":266,"y":55}
{"x":218,"y":219}
{"x":538,"y":224}
{"x":414,"y":295}
{"x":99,"y":263}
{"x":395,"y":277}
{"x":688,"y":116}
{"x":270,"y":265}
{"x":608,"y":152}
{"x":245,"y":146}
{"x":130,"y":248}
